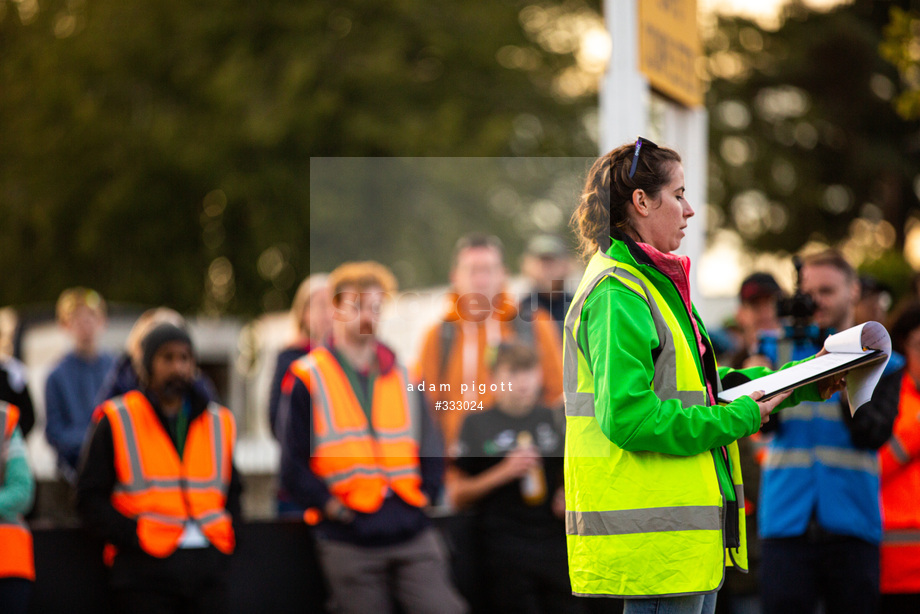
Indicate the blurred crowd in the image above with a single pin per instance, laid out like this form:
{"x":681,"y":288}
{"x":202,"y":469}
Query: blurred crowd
{"x":433,"y":483}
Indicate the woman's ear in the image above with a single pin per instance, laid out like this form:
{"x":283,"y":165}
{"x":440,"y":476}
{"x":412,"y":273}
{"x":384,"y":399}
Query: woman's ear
{"x":640,"y":203}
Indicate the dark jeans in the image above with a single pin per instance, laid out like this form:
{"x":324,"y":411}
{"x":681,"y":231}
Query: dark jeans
{"x":14,"y":595}
{"x":838,"y":570}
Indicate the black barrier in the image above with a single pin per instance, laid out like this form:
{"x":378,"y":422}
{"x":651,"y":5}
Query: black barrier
{"x":274,"y":570}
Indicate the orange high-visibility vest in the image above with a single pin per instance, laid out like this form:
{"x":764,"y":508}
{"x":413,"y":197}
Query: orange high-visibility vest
{"x":163,"y":492}
{"x":900,"y":480}
{"x":16,"y":556}
{"x":358,"y":461}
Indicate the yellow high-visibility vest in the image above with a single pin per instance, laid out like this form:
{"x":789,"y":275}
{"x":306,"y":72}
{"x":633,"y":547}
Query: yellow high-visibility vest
{"x":641,"y":523}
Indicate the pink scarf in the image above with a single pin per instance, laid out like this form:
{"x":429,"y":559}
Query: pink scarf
{"x":677,"y":268}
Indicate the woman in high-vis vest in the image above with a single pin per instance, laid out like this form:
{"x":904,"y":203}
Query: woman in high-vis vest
{"x":17,"y":567}
{"x":653,"y":490}
{"x":899,"y":465}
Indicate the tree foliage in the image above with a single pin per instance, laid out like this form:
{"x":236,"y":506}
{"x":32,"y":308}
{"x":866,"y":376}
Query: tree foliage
{"x":160,"y":151}
{"x":804,"y":142}
{"x":901,"y":47}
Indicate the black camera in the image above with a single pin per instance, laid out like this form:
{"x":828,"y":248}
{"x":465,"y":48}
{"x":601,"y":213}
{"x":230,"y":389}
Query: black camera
{"x":799,"y":309}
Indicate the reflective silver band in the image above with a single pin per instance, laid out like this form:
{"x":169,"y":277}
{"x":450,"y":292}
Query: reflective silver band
{"x":402,"y":472}
{"x":810,"y":410}
{"x":412,"y":408}
{"x":648,"y":520}
{"x":832,"y":457}
{"x":4,"y":410}
{"x":570,"y":345}
{"x":134,"y":458}
{"x":777,"y":458}
{"x":341,"y":476}
{"x":848,"y":459}
{"x":217,"y":433}
{"x":321,"y":396}
{"x":687,"y":397}
{"x":897,"y":449}
{"x":579,"y":404}
{"x":902,"y":537}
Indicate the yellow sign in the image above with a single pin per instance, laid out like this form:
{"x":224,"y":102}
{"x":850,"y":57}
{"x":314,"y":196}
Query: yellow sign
{"x":669,"y":44}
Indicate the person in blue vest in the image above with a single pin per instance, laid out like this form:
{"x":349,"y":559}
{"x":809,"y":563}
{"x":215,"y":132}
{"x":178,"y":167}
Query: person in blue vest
{"x":819,"y":514}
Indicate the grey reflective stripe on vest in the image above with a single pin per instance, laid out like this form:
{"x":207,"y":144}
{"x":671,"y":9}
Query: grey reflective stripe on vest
{"x":570,"y":351}
{"x":665,"y":378}
{"x":840,"y":458}
{"x":649,"y":520}
{"x":211,"y":517}
{"x":134,"y":458}
{"x":321,"y":398}
{"x":739,"y":495}
{"x":4,"y":410}
{"x":217,"y":433}
{"x":687,"y":397}
{"x":811,"y":410}
{"x":341,"y":476}
{"x":897,"y":449}
{"x":848,"y":459}
{"x":412,"y":408}
{"x":579,"y":404}
{"x":904,"y":537}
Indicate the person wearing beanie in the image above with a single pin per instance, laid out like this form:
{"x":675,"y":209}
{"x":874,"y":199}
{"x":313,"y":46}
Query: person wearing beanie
{"x":158,"y":484}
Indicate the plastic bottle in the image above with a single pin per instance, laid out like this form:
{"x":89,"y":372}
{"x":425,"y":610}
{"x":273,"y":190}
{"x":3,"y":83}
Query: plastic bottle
{"x":533,"y":483}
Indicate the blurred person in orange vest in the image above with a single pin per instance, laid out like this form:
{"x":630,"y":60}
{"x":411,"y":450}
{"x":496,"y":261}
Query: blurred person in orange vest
{"x":900,"y":472}
{"x":17,"y":487}
{"x":361,"y":453}
{"x":453,"y":365}
{"x":157,"y":482}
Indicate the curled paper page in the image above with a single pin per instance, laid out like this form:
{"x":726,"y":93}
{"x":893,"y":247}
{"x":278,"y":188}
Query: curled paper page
{"x":862,"y":352}
{"x":861,"y":381}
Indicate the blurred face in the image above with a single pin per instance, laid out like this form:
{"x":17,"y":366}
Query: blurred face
{"x":85,"y":325}
{"x":834,"y":295}
{"x":757,"y":315}
{"x":318,"y":315}
{"x":873,"y":307}
{"x":661,"y":220}
{"x":172,"y":370}
{"x":479,"y":270}
{"x":546,"y":273}
{"x":912,"y":354}
{"x":357,"y":315}
{"x":526,"y":386}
